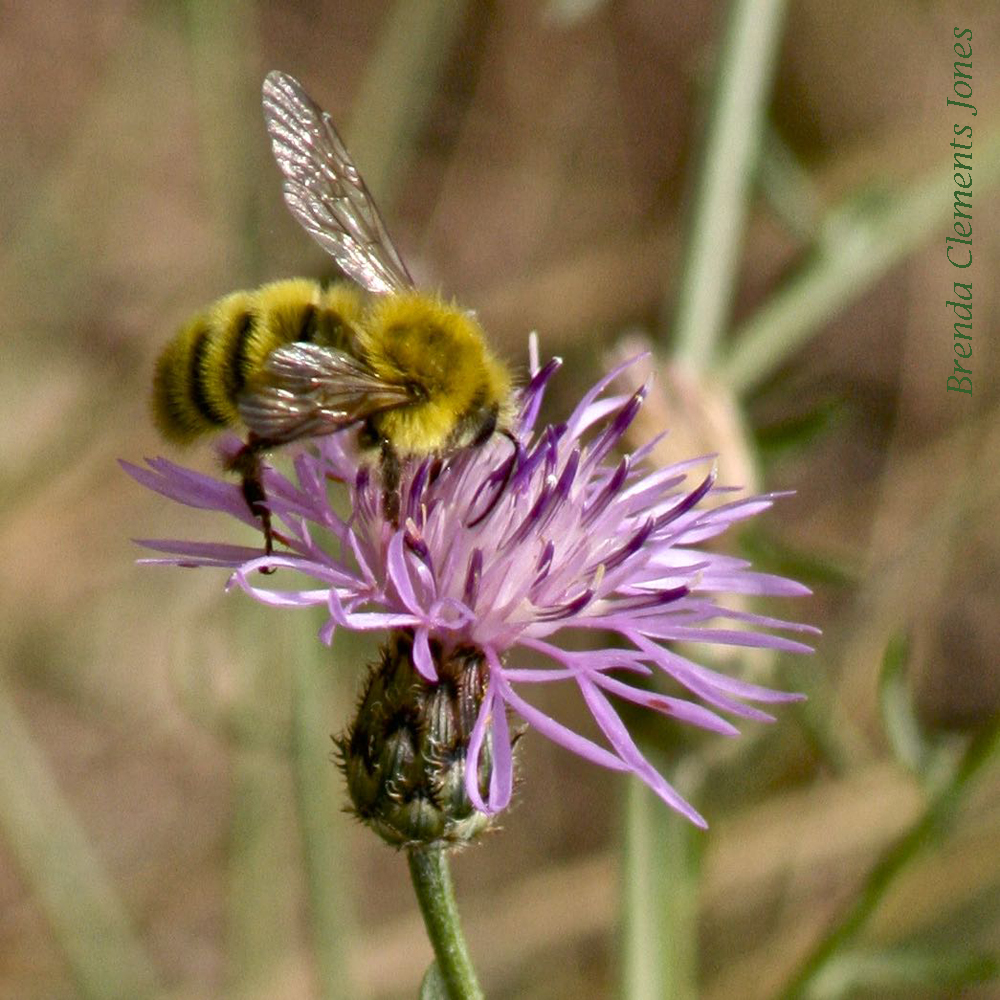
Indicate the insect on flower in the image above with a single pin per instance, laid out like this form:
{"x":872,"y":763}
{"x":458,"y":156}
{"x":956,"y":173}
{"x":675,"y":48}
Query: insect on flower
{"x":500,"y":578}
{"x":294,"y":359}
{"x":489,"y":572}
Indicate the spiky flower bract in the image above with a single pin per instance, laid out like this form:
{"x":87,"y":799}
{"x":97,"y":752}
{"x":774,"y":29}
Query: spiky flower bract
{"x":510,"y":550}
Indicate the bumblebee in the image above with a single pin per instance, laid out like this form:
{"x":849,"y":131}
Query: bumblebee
{"x":410,"y":372}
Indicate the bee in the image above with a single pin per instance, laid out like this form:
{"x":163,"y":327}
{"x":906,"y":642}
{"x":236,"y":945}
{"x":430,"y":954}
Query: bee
{"x":293,"y":359}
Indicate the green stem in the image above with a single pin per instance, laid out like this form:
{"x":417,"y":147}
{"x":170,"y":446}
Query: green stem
{"x":727,"y":165}
{"x":943,"y":805}
{"x":436,"y":896}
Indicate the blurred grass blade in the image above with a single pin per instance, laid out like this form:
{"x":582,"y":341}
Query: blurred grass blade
{"x":401,"y":79}
{"x":89,"y":922}
{"x":795,"y":433}
{"x":857,"y":253}
{"x":264,"y":876}
{"x":661,"y":871}
{"x":568,"y":14}
{"x":223,"y":43}
{"x":981,"y":750}
{"x":322,"y":821}
{"x":788,"y":187}
{"x":906,"y":737}
{"x":897,"y":969}
{"x":726,"y":168}
{"x":774,"y":555}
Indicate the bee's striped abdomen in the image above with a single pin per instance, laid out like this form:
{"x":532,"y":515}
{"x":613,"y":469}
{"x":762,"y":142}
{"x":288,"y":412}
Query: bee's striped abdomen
{"x":183,"y":407}
{"x":202,"y":372}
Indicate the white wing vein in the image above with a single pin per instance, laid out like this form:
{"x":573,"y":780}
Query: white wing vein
{"x":324,"y":191}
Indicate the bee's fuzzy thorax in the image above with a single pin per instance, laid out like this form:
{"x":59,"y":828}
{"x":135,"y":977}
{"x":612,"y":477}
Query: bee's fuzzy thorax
{"x":439,"y":352}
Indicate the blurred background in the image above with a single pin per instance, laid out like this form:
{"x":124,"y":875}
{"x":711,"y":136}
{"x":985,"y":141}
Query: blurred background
{"x":171,"y":823}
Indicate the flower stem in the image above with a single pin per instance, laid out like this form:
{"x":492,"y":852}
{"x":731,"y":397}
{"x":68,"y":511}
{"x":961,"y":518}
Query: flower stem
{"x":436,"y":896}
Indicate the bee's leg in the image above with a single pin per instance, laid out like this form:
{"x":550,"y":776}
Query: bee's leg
{"x":246,"y":462}
{"x":256,"y":498}
{"x":391,"y":475}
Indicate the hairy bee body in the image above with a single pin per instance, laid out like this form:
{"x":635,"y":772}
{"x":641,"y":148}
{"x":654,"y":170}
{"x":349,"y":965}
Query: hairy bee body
{"x":219,"y":353}
{"x":411,"y":373}
{"x":457,"y":391}
{"x":461,"y":392}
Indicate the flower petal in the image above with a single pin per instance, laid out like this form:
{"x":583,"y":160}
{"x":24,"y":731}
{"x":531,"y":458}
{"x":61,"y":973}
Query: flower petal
{"x":613,"y":727}
{"x":558,"y":733}
{"x":422,"y":658}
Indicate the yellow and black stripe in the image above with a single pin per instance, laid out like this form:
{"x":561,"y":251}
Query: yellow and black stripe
{"x":213,"y":358}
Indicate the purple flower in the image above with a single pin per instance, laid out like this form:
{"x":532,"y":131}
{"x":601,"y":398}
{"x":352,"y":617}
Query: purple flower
{"x":509,"y":551}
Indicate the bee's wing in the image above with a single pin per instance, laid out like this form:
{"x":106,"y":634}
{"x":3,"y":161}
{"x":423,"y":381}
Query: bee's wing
{"x":325,"y":191}
{"x":306,"y":390}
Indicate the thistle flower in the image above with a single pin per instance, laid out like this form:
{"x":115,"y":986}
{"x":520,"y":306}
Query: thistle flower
{"x":506,"y":551}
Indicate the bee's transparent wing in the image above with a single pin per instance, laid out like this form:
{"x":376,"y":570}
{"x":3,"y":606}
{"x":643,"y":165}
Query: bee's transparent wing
{"x":324,"y":190}
{"x":306,"y":390}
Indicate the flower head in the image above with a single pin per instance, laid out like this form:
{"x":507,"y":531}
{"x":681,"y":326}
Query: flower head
{"x":507,"y":549}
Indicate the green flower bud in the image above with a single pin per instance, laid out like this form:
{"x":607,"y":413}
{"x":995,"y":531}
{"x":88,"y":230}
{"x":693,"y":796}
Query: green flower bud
{"x":404,"y":754}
